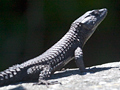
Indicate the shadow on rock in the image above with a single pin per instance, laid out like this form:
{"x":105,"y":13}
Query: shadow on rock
{"x":70,"y":72}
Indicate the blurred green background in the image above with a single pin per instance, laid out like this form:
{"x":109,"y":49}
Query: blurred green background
{"x":29,"y":27}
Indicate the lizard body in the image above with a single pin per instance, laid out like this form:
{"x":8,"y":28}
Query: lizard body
{"x":69,"y":47}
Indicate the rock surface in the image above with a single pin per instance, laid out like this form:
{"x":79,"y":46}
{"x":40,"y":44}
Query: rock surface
{"x":100,"y":77}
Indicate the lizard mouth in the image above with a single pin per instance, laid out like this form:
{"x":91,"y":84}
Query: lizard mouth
{"x":99,"y":15}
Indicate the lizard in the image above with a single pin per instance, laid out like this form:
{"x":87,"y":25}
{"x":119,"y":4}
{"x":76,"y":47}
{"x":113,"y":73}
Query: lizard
{"x":69,"y":47}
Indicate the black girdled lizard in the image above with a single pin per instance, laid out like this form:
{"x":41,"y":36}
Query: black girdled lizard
{"x":66,"y":49}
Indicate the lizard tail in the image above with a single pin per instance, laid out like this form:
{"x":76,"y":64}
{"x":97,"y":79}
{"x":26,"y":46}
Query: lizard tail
{"x":11,"y":75}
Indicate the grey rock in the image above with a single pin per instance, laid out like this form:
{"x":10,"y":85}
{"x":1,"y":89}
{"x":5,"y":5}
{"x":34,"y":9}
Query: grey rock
{"x":100,"y":77}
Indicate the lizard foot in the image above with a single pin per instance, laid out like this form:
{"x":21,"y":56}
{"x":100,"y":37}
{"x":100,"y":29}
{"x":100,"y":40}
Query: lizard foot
{"x":45,"y":82}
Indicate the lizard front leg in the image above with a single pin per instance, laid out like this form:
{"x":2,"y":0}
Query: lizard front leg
{"x":79,"y":59}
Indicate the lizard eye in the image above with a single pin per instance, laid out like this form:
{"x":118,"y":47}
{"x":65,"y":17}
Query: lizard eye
{"x":95,"y":13}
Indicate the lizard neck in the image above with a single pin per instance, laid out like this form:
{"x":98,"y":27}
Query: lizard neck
{"x":78,"y":31}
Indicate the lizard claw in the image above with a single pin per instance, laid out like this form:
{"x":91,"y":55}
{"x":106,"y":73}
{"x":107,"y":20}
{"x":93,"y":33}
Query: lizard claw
{"x":45,"y":82}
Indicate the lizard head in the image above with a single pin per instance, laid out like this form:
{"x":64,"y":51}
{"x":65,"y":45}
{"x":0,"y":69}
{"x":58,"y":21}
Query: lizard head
{"x":87,"y":23}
